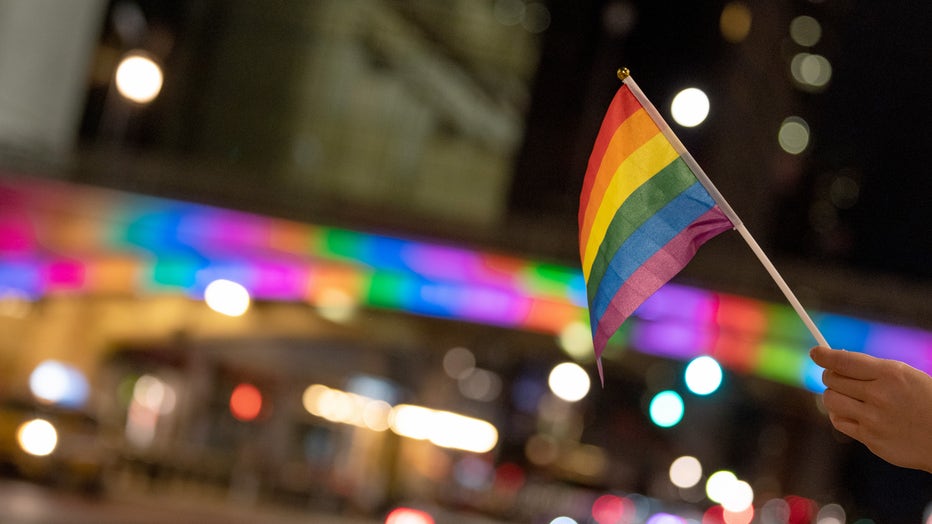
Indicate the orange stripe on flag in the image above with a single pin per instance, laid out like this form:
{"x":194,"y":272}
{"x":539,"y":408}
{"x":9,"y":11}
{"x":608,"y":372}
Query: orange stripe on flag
{"x":633,"y":133}
{"x":623,"y":105}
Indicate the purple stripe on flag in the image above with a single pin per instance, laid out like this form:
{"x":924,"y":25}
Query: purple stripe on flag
{"x":656,"y":271}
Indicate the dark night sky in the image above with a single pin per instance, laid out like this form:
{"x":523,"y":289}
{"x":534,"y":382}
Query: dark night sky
{"x":880,"y":117}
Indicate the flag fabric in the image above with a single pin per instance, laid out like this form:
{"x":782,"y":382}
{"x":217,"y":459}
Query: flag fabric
{"x":643,"y":212}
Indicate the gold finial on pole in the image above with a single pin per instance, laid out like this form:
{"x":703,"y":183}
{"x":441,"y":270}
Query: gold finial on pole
{"x":623,"y":73}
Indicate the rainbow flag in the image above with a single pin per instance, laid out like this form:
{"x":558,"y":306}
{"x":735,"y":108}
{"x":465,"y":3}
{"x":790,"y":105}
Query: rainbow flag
{"x":643,"y":212}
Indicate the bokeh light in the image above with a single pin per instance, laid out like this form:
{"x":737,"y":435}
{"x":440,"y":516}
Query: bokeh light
{"x":611,"y":509}
{"x":569,"y":381}
{"x":509,"y":12}
{"x":311,"y":398}
{"x":455,"y":431}
{"x":576,"y":341}
{"x":458,"y":362}
{"x":542,"y":450}
{"x":473,"y":472}
{"x":845,"y":191}
{"x":794,"y":135}
{"x":481,"y":384}
{"x":805,"y":30}
{"x":714,"y":515}
{"x":685,"y":472}
{"x":735,"y":22}
{"x":153,"y":394}
{"x":619,"y":17}
{"x":536,"y":18}
{"x":666,"y":409}
{"x":139,"y":78}
{"x":55,"y":382}
{"x":563,"y":519}
{"x":703,"y":375}
{"x":665,"y":518}
{"x":408,"y":516}
{"x":690,"y":107}
{"x":443,"y":428}
{"x":245,"y":402}
{"x":718,"y":485}
{"x":738,"y":497}
{"x":37,"y":437}
{"x":375,"y":415}
{"x":802,"y":509}
{"x":831,"y":514}
{"x":336,"y":305}
{"x":811,"y":72}
{"x":227,"y":297}
{"x":775,"y":511}
{"x":744,"y":516}
{"x":410,"y":421}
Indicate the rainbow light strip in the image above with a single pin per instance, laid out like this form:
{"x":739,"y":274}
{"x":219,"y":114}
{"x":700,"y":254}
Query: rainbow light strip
{"x":58,"y":238}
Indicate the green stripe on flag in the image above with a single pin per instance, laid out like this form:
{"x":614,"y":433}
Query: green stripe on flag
{"x":643,"y":203}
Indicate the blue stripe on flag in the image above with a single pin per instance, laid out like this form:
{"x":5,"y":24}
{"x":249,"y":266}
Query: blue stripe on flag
{"x":651,"y":237}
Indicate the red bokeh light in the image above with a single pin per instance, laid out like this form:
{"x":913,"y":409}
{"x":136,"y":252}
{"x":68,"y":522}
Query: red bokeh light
{"x":509,"y":477}
{"x":609,"y":509}
{"x":802,"y":510}
{"x":245,"y":402}
{"x":714,"y":515}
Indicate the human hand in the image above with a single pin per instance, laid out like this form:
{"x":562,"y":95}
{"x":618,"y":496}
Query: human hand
{"x":885,"y":404}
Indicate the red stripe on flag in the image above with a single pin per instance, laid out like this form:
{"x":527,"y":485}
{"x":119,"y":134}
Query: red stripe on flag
{"x":623,"y":105}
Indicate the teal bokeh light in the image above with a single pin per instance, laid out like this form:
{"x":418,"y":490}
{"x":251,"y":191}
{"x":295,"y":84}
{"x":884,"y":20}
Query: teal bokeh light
{"x":666,"y":409}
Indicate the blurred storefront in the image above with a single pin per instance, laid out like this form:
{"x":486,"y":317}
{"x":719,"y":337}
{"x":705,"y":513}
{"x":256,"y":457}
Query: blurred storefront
{"x":260,"y":358}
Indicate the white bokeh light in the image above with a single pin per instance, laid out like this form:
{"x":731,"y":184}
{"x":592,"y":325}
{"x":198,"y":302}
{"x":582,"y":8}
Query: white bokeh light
{"x":831,"y":514}
{"x":569,"y":381}
{"x":55,"y":382}
{"x":37,"y":437}
{"x":703,"y":375}
{"x":690,"y":107}
{"x":794,"y":135}
{"x":227,"y":297}
{"x":563,"y":520}
{"x":685,"y":472}
{"x":811,"y":72}
{"x":738,"y":497}
{"x":139,"y":78}
{"x":719,"y":484}
{"x":805,"y":30}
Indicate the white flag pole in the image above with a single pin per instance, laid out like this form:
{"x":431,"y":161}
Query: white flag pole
{"x":625,"y":77}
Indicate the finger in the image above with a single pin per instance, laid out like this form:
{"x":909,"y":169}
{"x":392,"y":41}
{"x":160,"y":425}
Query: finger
{"x":847,"y":363}
{"x":847,"y":426}
{"x":856,"y":389}
{"x":841,"y":405}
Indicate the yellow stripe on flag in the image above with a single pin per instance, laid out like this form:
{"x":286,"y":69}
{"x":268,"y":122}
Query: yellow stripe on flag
{"x":631,"y":134}
{"x":639,"y":167}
